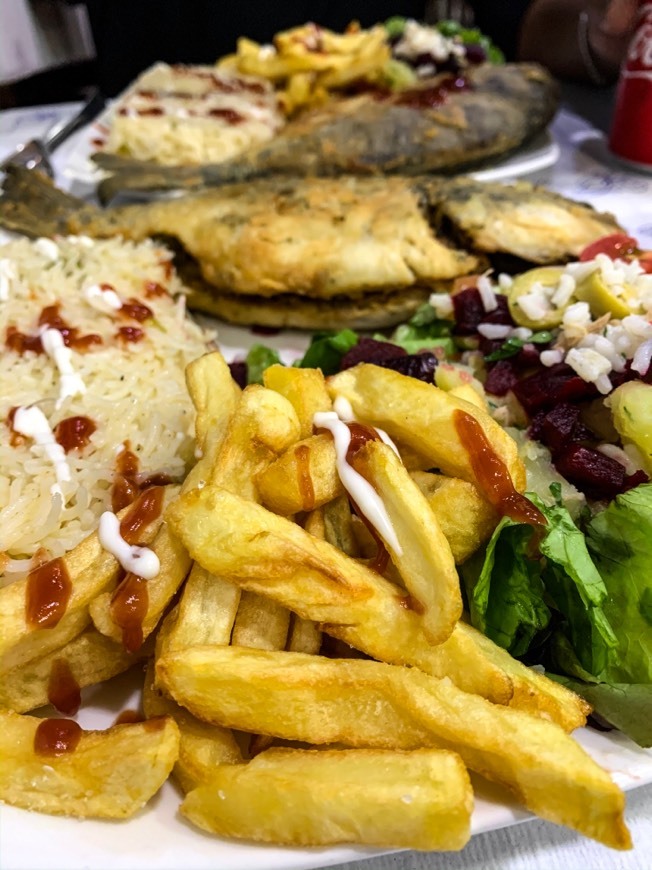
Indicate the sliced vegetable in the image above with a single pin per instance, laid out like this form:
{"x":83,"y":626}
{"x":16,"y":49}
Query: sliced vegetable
{"x":528,"y":285}
{"x":601,"y":298}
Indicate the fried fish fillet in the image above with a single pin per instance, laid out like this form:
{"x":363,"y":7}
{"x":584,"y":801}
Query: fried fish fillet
{"x":318,"y":253}
{"x":443,"y":125}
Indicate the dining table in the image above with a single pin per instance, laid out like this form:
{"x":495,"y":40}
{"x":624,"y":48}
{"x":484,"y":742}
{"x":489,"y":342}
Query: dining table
{"x":582,"y":169}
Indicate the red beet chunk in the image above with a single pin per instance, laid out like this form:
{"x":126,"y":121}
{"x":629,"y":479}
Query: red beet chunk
{"x":529,"y":354}
{"x":550,"y":386}
{"x":239,"y":372}
{"x":502,"y":377}
{"x":418,"y":365}
{"x":596,"y":475}
{"x":559,"y":427}
{"x":369,"y":350}
{"x":469,"y":312}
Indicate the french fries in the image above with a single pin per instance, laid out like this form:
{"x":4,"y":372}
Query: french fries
{"x":109,"y":774}
{"x":309,"y":798}
{"x":267,"y":573}
{"x":308,"y":62}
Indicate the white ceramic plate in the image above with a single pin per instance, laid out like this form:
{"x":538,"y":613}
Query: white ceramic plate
{"x":159,"y":839}
{"x":540,"y":153}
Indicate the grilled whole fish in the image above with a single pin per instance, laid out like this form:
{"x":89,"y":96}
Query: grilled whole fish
{"x":314,"y":253}
{"x":443,"y":125}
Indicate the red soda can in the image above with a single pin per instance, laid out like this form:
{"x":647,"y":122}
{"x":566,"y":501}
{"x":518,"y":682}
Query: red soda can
{"x":630,"y":137}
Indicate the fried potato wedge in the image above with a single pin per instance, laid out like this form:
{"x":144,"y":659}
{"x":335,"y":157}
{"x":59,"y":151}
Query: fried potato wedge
{"x":214,"y":395}
{"x":465,"y":517}
{"x":425,"y":562}
{"x":415,"y":800}
{"x":108,"y":775}
{"x":202,"y":747}
{"x":205,"y":614}
{"x":245,"y":544}
{"x":86,"y":660}
{"x":90,"y":569}
{"x":304,"y":478}
{"x":422,"y":416}
{"x":367,"y":703}
{"x":305,"y":389}
{"x":261,"y":623}
{"x":175,"y":564}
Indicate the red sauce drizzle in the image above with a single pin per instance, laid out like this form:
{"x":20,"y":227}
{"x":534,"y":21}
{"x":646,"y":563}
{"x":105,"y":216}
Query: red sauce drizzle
{"x":144,"y":511}
{"x":136,"y":310}
{"x":129,"y":608}
{"x":130,"y":334}
{"x":74,"y":433}
{"x":47,"y":593}
{"x":492,"y":474}
{"x":306,"y":489}
{"x":51,"y":317}
{"x":230,"y":116}
{"x":125,"y":484}
{"x":21,"y":343}
{"x":153,"y":289}
{"x":128,"y":717}
{"x":432,"y":97}
{"x":56,"y":737}
{"x":63,"y":690}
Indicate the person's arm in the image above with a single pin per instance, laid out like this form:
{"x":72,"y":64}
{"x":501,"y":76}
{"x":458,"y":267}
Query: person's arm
{"x":576,"y":39}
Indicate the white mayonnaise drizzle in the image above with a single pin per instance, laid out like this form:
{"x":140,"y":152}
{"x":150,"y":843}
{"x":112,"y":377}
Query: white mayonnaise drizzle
{"x":7,"y":277}
{"x":138,"y":560}
{"x":71,"y":383}
{"x":33,"y":423}
{"x":102,"y":299}
{"x":360,"y":490}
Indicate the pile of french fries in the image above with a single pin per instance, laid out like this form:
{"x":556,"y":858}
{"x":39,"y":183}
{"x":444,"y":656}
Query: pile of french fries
{"x":308,"y":63}
{"x":301,"y":696}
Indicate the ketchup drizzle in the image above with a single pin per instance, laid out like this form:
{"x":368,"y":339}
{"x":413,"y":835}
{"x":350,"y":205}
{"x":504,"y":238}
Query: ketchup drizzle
{"x":63,"y":690}
{"x":47,"y":593}
{"x":56,"y":737}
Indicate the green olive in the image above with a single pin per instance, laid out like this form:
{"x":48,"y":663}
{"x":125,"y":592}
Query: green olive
{"x":594,"y":290}
{"x":548,"y":276}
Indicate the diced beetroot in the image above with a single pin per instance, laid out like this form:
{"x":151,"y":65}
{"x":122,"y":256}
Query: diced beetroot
{"x":529,"y":354}
{"x":559,"y":427}
{"x":502,"y":377}
{"x":469,"y":312}
{"x":635,"y":479}
{"x":596,"y":475}
{"x":487,"y":346}
{"x":419,"y":365}
{"x":239,"y":372}
{"x":547,"y":387}
{"x":369,"y":350}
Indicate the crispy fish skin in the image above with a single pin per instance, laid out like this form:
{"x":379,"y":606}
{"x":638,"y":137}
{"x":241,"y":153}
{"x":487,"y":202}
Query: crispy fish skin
{"x":531,"y":223}
{"x":498,"y":109}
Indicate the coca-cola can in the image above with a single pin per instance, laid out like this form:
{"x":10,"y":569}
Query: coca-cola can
{"x":630,"y":137}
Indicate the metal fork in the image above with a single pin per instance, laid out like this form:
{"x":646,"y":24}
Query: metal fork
{"x":36,"y":153}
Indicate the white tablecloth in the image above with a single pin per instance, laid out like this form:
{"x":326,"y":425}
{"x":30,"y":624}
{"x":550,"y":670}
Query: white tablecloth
{"x":586,"y":172}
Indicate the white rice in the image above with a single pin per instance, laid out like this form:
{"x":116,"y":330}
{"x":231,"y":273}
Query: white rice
{"x":134,"y":393}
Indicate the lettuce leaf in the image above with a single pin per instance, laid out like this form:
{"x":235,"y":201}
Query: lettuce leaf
{"x":327,"y":349}
{"x":505,"y":590}
{"x":620,"y":542}
{"x":258,"y":359}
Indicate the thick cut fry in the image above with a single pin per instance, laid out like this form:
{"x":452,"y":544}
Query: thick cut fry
{"x":90,"y":658}
{"x":214,"y":394}
{"x":92,"y":571}
{"x":175,"y":564}
{"x":338,"y":526}
{"x":205,"y":614}
{"x":202,"y":747}
{"x":304,"y":636}
{"x":109,"y":775}
{"x":422,"y":416}
{"x":415,"y":800}
{"x":425,"y":561}
{"x":532,"y":692}
{"x":305,"y":389}
{"x":261,"y":552}
{"x":260,"y":623}
{"x":466,"y":519}
{"x":366,"y":703}
{"x":304,"y":478}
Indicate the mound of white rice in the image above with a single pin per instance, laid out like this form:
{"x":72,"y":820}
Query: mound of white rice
{"x":133,"y":391}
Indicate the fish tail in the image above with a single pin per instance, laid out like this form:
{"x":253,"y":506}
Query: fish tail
{"x":30,"y":204}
